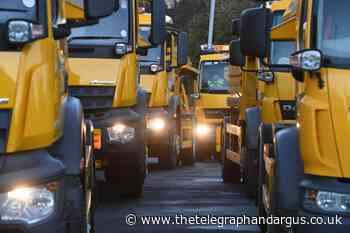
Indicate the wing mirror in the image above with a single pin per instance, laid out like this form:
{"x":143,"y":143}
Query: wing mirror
{"x":236,"y":56}
{"x":309,"y":60}
{"x":255,"y":27}
{"x":95,"y":9}
{"x":182,"y":49}
{"x":158,"y":28}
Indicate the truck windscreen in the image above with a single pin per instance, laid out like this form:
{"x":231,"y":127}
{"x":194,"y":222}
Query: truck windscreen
{"x":18,"y":9}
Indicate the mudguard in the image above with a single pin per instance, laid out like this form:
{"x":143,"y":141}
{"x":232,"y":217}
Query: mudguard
{"x":253,"y":121}
{"x":30,"y":167}
{"x":69,"y":149}
{"x":289,"y":170}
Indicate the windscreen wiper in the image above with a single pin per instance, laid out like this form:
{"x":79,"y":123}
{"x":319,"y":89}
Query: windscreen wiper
{"x":145,"y":60}
{"x":12,"y":10}
{"x":95,"y":38}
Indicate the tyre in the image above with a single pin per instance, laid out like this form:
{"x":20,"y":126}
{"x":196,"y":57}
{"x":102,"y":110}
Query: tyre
{"x":250,"y":172}
{"x":204,"y":151}
{"x":128,"y":180}
{"x":169,"y":153}
{"x":231,"y":172}
{"x":133,"y":187}
{"x":90,"y":202}
{"x":261,"y":182}
{"x":188,"y":157}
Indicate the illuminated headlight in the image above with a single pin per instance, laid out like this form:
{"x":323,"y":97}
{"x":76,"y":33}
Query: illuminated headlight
{"x":155,"y":68}
{"x":21,"y":31}
{"x":202,"y":130}
{"x":327,"y":201}
{"x":121,"y":133}
{"x":28,"y":204}
{"x":156,"y":124}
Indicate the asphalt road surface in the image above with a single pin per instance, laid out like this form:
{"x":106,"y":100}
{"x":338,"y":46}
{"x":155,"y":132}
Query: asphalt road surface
{"x":184,"y":192}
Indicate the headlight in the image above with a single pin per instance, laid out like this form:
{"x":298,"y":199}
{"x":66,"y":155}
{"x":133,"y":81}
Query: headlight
{"x":327,"y":201}
{"x":155,"y":68}
{"x":202,"y":130}
{"x":28,"y":204}
{"x":156,"y":124}
{"x":121,"y":133}
{"x":122,"y":49}
{"x":21,"y":31}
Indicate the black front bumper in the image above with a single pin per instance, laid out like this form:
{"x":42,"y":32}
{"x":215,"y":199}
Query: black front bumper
{"x":344,"y":227}
{"x":34,"y":168}
{"x":329,"y":223}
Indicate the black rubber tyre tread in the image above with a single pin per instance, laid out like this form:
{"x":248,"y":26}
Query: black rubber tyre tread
{"x":250,"y":172}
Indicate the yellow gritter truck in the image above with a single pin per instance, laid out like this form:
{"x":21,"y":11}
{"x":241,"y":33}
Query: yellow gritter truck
{"x":103,"y":59}
{"x":158,"y":77}
{"x":308,"y":163}
{"x":46,"y":160}
{"x":211,"y":105}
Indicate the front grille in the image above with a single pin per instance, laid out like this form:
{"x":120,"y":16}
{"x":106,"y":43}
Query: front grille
{"x":187,"y":134}
{"x":216,"y":113}
{"x":145,"y":70}
{"x":288,"y":110}
{"x":5,"y":118}
{"x":95,"y":100}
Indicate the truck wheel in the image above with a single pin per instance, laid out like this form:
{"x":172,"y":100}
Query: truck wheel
{"x":261,"y":182}
{"x":188,"y":157}
{"x":127,"y":181}
{"x":250,"y":173}
{"x":88,"y":180}
{"x":90,"y":198}
{"x":204,"y":151}
{"x":231,"y":172}
{"x":133,"y":186}
{"x":169,"y":153}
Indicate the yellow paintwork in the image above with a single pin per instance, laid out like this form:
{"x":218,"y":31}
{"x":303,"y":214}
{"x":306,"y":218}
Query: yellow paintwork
{"x":280,"y":5}
{"x":157,"y":84}
{"x":323,"y":114}
{"x":144,"y":20}
{"x":188,"y":71}
{"x":113,"y":72}
{"x":325,"y":125}
{"x":121,"y":73}
{"x":33,"y":79}
{"x":210,"y":101}
{"x":160,"y":92}
{"x":215,"y":57}
{"x":285,"y":31}
{"x":74,"y":11}
{"x":283,"y":88}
